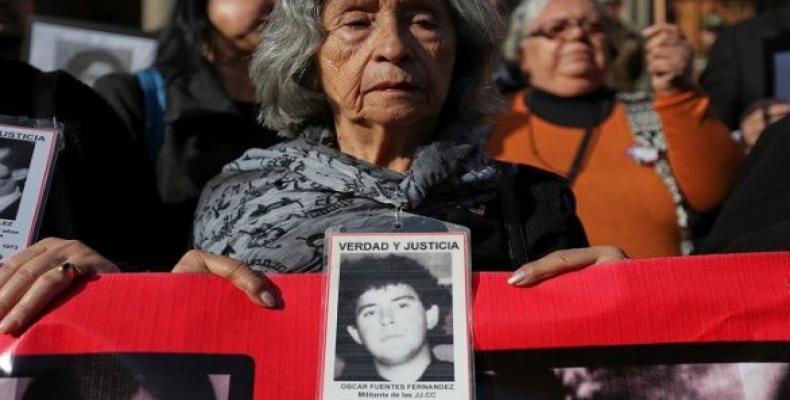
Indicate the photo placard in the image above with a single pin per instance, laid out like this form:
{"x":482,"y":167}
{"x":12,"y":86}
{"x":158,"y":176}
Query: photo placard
{"x":397,"y":317}
{"x":87,"y":51}
{"x":27,"y":158}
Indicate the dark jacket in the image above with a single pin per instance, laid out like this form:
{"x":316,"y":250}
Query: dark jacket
{"x":544,"y":208}
{"x":756,"y":216}
{"x":736,"y":72}
{"x":204,"y":130}
{"x":97,"y":194}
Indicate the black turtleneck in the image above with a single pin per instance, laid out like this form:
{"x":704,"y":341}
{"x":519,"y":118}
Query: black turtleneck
{"x":583,"y":112}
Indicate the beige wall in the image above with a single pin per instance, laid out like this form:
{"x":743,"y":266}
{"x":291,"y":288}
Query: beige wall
{"x":155,"y":13}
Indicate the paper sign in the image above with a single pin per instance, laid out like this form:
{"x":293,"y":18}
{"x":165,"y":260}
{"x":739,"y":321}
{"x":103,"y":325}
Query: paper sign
{"x":27,"y":157}
{"x":397,"y":317}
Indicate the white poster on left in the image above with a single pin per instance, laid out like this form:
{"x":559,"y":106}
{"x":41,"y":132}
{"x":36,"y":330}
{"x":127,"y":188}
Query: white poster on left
{"x":27,"y":158}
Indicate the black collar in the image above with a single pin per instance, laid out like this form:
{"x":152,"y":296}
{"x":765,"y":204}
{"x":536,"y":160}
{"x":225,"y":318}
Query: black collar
{"x":574,"y":112}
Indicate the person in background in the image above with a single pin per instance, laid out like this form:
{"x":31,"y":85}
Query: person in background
{"x":640,"y":167}
{"x":735,"y":76}
{"x":97,"y":185}
{"x":208,"y":116}
{"x":756,"y":216}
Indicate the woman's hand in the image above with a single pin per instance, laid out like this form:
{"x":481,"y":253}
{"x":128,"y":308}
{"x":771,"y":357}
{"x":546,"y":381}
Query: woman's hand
{"x":30,"y":279}
{"x":255,"y":285}
{"x":668,"y":58}
{"x":562,"y":261}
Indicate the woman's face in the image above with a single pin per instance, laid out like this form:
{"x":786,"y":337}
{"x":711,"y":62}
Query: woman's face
{"x":387,"y":62}
{"x":565,"y":52}
{"x":240,"y":22}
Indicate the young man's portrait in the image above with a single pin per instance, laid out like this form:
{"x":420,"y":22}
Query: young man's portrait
{"x":15,"y":157}
{"x":391,"y":312}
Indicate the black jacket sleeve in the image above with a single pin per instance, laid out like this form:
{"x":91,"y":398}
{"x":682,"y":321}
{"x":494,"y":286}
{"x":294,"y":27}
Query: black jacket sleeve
{"x":756,"y":217}
{"x":123,"y":93}
{"x":721,"y":79}
{"x":548,"y":209}
{"x":101,"y":192}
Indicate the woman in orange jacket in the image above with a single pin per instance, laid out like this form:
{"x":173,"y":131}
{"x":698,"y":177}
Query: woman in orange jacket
{"x":641,"y":166}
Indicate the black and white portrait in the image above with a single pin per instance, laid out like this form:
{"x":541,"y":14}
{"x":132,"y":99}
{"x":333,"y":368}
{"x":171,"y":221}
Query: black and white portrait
{"x":732,"y":381}
{"x":85,"y":50}
{"x":137,"y":376}
{"x":88,"y":63}
{"x":725,"y":370}
{"x":15,"y":157}
{"x":27,"y":157}
{"x":394,"y":318}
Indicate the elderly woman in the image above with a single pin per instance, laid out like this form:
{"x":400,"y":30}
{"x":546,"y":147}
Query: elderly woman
{"x":380,"y":98}
{"x":641,"y":168}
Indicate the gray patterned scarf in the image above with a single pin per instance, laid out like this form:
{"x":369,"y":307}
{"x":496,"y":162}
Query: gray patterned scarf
{"x":270,"y":208}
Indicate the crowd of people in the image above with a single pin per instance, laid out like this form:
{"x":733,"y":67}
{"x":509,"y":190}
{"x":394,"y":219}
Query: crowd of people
{"x":264,"y":123}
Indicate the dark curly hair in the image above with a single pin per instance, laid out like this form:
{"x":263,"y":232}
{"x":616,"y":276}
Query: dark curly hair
{"x":181,"y":41}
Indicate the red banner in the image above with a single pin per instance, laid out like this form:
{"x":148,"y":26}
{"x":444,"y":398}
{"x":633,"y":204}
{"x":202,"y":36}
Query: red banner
{"x":738,"y":298}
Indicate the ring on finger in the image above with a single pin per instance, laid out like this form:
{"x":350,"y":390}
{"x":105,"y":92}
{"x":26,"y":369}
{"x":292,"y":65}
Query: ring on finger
{"x":70,"y":270}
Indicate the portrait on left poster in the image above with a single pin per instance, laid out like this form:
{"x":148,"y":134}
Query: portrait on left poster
{"x":27,"y":158}
{"x":85,"y":50}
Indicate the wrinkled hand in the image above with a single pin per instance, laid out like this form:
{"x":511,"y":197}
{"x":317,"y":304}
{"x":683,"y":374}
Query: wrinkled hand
{"x":254,"y":285}
{"x":563,"y":261}
{"x":668,"y":58}
{"x":761,"y":114}
{"x":30,"y":279}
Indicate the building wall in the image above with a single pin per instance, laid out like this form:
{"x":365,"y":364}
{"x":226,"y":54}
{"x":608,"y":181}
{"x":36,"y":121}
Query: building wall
{"x":155,"y":13}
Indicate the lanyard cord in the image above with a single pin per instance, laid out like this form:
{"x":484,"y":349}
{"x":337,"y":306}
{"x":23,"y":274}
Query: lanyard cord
{"x":582,"y":151}
{"x":581,"y":155}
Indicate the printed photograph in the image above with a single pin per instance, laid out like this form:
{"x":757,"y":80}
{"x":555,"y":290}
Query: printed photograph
{"x":715,"y":371}
{"x":85,"y":50}
{"x":394,"y":318}
{"x":730,"y":381}
{"x":15,"y":158}
{"x":128,"y":376}
{"x":89,"y":63}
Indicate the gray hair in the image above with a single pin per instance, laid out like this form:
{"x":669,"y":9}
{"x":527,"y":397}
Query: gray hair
{"x":521,"y":25}
{"x":283,"y":67}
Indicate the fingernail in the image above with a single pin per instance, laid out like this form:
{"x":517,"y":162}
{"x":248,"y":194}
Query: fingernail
{"x":268,"y":299}
{"x":517,"y":277}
